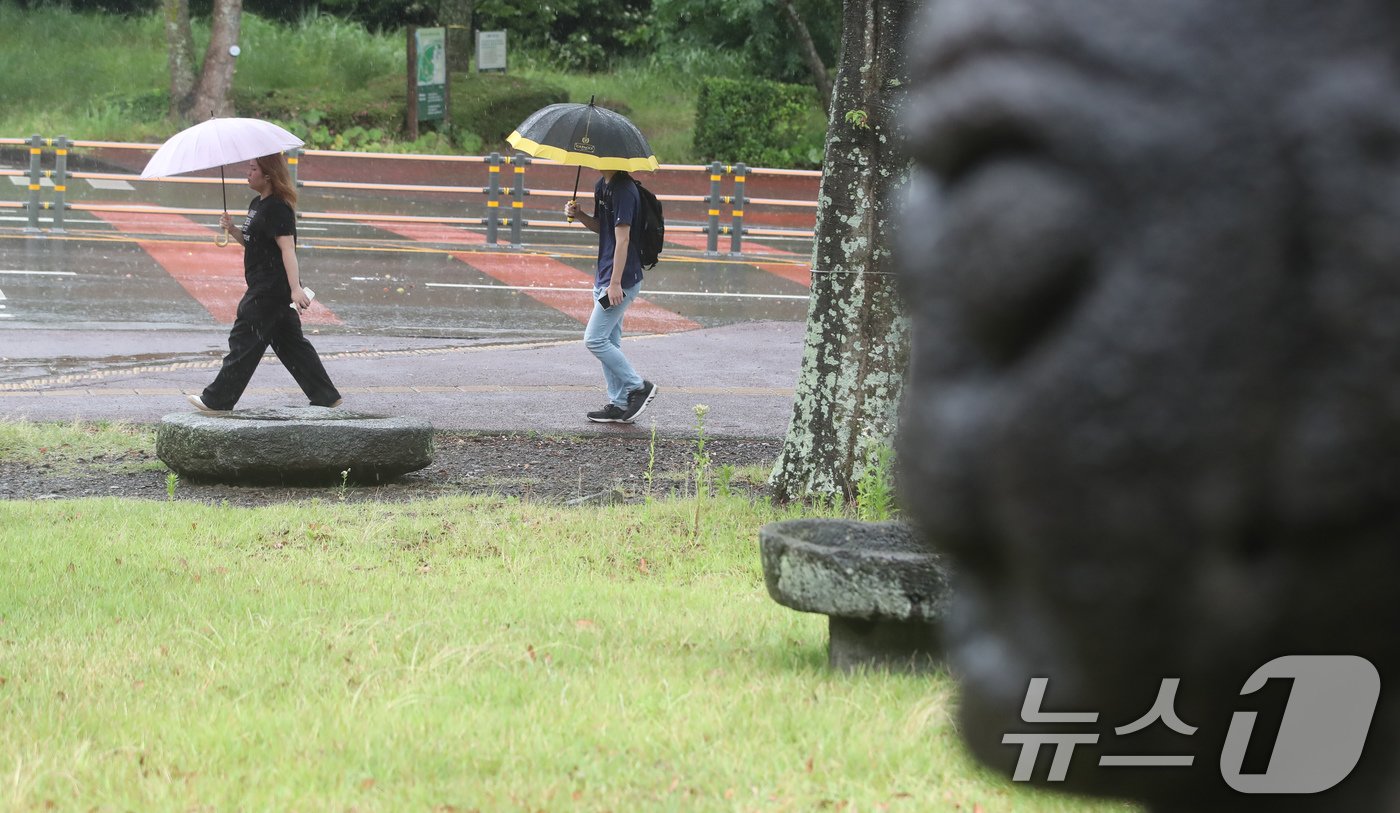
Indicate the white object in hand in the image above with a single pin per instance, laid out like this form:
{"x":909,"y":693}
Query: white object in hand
{"x":310,"y":294}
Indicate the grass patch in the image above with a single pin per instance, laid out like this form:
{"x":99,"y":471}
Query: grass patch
{"x":458,"y":653}
{"x":68,"y":444}
{"x":465,"y":652}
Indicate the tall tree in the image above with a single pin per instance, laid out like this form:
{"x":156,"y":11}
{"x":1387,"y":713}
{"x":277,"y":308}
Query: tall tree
{"x":192,"y":98}
{"x":456,"y":15}
{"x":179,"y":51}
{"x":856,"y":347}
{"x":815,"y":65}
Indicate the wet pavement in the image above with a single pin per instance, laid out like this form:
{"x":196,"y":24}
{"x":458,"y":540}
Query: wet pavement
{"x":123,"y":311}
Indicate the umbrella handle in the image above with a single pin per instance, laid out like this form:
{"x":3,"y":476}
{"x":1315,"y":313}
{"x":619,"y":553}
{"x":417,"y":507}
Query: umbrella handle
{"x":577,"y":173}
{"x":222,"y":239}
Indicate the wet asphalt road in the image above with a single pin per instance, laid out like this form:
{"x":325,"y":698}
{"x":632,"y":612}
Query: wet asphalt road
{"x":115,"y":320}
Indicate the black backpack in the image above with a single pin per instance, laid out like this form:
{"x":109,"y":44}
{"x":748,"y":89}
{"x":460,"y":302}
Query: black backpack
{"x":653,"y":227}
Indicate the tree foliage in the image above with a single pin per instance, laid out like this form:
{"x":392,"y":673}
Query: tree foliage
{"x":758,"y":29}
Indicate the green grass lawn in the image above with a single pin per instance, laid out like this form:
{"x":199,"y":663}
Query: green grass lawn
{"x":456,"y":654}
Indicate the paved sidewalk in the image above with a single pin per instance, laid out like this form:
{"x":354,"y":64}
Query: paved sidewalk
{"x":744,"y":372}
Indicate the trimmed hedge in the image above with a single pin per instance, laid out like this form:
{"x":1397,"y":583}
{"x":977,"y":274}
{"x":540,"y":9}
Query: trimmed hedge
{"x":761,"y":123}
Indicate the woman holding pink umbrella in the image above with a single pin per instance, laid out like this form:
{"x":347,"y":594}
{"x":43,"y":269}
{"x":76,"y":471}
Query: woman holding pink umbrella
{"x":269,"y":312}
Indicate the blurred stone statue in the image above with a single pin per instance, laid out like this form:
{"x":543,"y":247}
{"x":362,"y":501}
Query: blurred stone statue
{"x":1153,"y":262}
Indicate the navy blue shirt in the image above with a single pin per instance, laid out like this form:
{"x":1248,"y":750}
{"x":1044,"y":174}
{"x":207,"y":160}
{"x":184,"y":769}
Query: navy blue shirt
{"x":618,"y":204}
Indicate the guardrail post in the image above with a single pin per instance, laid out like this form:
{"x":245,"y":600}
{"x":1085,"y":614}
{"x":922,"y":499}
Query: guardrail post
{"x":293,"y":162}
{"x":36,"y":148}
{"x":737,"y":236}
{"x":712,"y":226}
{"x":60,"y":183}
{"x":493,"y":193}
{"x":518,"y":203}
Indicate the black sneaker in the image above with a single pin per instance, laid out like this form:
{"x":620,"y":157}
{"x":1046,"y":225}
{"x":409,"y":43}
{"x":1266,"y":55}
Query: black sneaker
{"x":612,"y":413}
{"x":637,"y":401}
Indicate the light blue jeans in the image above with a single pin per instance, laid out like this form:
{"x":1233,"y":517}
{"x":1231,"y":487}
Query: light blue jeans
{"x":603,"y":337}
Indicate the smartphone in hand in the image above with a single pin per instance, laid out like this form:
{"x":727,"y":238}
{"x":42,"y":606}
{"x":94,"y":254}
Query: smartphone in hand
{"x":603,"y":300}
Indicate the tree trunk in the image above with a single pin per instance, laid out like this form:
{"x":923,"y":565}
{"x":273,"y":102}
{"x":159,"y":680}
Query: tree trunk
{"x":809,"y":53}
{"x":456,"y":16}
{"x":179,"y":49}
{"x":211,"y":96}
{"x":856,"y":355}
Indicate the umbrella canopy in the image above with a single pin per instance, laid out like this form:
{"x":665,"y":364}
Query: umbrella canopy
{"x":217,"y":142}
{"x":584,"y":135}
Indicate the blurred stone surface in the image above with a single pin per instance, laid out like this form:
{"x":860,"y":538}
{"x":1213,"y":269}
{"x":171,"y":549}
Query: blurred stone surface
{"x":883,"y":590}
{"x":1153,"y":263}
{"x":293,"y":445}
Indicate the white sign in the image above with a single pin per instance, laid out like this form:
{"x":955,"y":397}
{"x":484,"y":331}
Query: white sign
{"x":491,"y":51}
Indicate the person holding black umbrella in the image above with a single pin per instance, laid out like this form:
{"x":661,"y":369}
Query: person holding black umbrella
{"x":269,"y":313}
{"x":617,"y":208}
{"x":586,"y":135}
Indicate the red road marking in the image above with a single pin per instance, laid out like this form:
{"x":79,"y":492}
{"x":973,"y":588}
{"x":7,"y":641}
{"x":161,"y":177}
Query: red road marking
{"x":212,"y":275}
{"x":429,"y":232}
{"x":800,"y":274}
{"x":532,"y":270}
{"x":700,"y":242}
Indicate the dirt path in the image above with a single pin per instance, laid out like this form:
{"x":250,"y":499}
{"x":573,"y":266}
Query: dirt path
{"x":541,"y":468}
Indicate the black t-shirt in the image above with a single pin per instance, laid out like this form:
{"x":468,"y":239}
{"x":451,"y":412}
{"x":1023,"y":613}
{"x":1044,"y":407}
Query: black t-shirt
{"x":263,"y":269}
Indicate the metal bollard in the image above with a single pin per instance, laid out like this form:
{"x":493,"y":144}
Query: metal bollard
{"x":517,"y":205}
{"x":36,"y":148}
{"x":293,"y":160}
{"x":737,"y":238}
{"x":493,"y":191}
{"x":712,"y":227}
{"x":60,"y":182}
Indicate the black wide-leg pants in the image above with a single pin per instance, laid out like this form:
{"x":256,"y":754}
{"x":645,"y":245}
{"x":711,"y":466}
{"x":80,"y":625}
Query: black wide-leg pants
{"x":261,"y":324}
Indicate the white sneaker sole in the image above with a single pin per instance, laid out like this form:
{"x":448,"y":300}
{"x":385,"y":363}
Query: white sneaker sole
{"x":198,"y":403}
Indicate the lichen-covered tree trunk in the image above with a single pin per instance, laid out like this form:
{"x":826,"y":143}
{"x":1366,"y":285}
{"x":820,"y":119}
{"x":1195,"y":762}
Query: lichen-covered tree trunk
{"x":179,"y":49}
{"x":211,"y":95}
{"x":856,"y":353}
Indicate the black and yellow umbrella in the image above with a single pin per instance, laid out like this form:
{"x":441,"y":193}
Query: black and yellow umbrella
{"x":584,"y":135}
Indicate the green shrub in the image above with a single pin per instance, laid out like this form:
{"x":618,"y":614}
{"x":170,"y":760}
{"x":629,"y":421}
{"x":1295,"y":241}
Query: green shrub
{"x":360,"y":118}
{"x":763,"y":124}
{"x":492,"y":105}
{"x":485,"y":109}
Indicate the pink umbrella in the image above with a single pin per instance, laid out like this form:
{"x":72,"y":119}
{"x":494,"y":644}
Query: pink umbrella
{"x":217,"y":142}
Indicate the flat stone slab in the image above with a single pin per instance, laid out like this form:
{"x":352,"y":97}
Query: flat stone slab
{"x":293,"y":445}
{"x":884,"y":590}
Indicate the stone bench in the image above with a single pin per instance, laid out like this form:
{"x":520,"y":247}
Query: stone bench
{"x":293,"y":445}
{"x":884,"y":591}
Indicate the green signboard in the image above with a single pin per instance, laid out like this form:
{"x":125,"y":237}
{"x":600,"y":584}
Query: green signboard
{"x":430,"y":44}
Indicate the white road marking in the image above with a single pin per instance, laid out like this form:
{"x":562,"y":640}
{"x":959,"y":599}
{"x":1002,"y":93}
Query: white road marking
{"x":112,"y":183}
{"x":23,"y":180}
{"x":39,"y":273}
{"x":647,"y":293}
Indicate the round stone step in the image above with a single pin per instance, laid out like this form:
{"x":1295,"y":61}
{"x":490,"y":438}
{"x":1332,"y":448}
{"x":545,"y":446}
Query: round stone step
{"x":293,"y":445}
{"x":883,"y":589}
